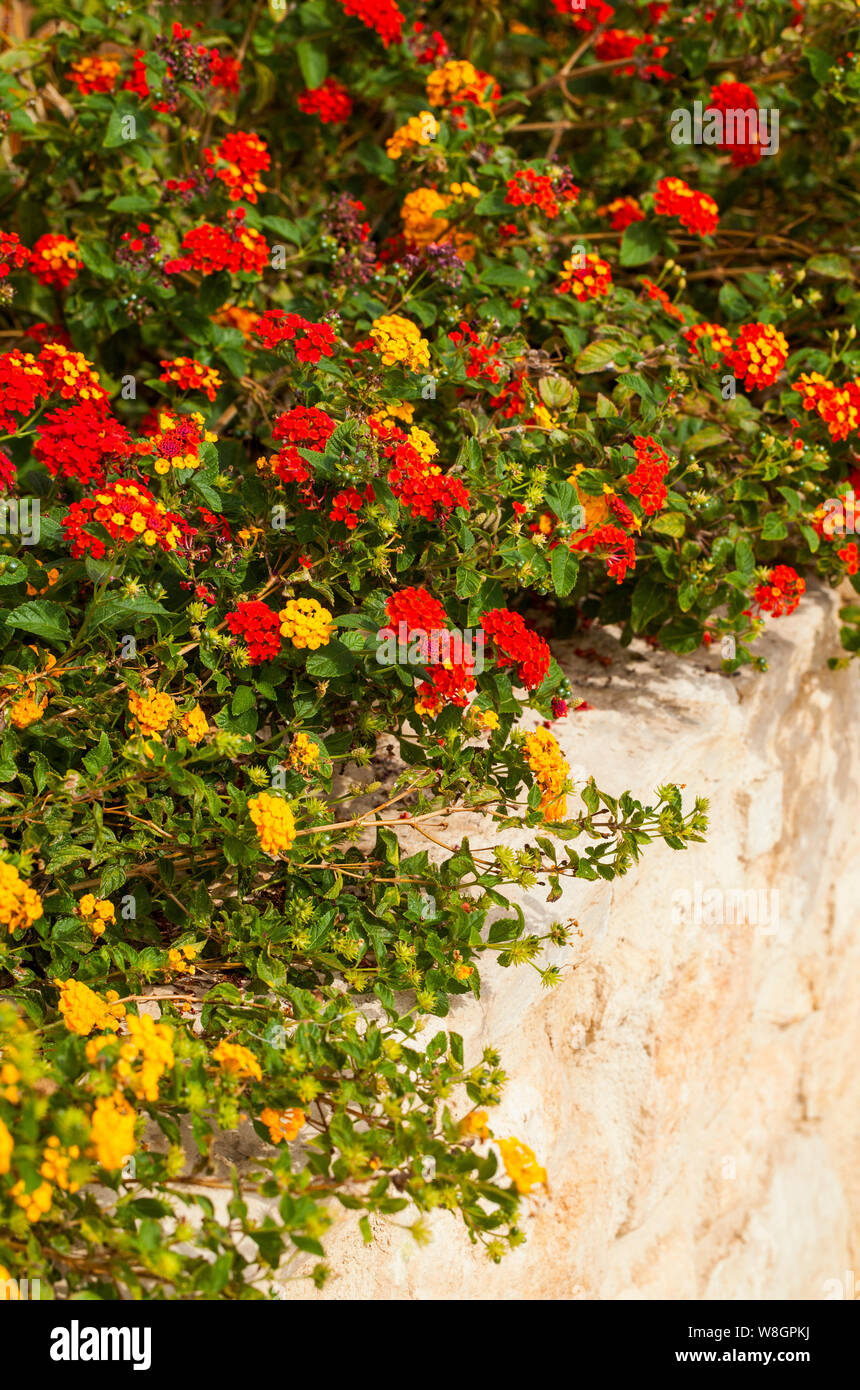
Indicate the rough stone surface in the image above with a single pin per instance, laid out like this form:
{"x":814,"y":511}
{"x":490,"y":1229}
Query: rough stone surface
{"x":692,"y":1085}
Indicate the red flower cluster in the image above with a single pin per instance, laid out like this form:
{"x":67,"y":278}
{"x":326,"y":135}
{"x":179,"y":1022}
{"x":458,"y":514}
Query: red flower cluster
{"x":593,"y":280}
{"x":622,"y":212}
{"x":782,"y":592}
{"x":225,"y":71}
{"x":330,"y":101}
{"x":718,"y":337}
{"x":128,"y":512}
{"x":94,"y":74}
{"x":259,"y":627}
{"x":305,"y":425}
{"x":382,"y":16}
{"x":238,"y":161}
{"x":838,"y":407}
{"x":528,"y":188}
{"x":209,"y":249}
{"x":83,"y":442}
{"x":647,"y":479}
{"x":654,"y":292}
{"x":517,"y":645}
{"x":347,"y":504}
{"x":418,"y":609}
{"x":22,"y":382}
{"x":55,"y":260}
{"x":620,"y":550}
{"x":451,"y":684}
{"x":737,"y":97}
{"x":311,"y":341}
{"x":758,"y":356}
{"x":484,"y":359}
{"x":13,"y":255}
{"x":421,"y":486}
{"x":696,"y":211}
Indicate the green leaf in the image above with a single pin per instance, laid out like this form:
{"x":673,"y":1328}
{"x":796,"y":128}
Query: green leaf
{"x":42,"y":617}
{"x":649,"y":600}
{"x":640,"y":243}
{"x":332,"y":660}
{"x":669,"y":523}
{"x":832,"y":266}
{"x":597,"y":356}
{"x":313,"y":62}
{"x":564,"y":568}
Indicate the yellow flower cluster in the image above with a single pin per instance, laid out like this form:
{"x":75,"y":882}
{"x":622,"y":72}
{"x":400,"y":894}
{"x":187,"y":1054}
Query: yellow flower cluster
{"x":521,"y":1164}
{"x":28,"y":710}
{"x":97,"y":912}
{"x":83,"y":1010}
{"x":275,"y":822}
{"x":237,"y":1060}
{"x":9,"y":1088}
{"x":445,"y":82}
{"x":551,"y":770}
{"x":421,"y":225}
{"x":20,"y":905}
{"x":393,"y":411}
{"x":150,"y":1044}
{"x":306,"y":623}
{"x":55,"y":1164}
{"x":399,"y":340}
{"x":195,"y":725}
{"x":423,"y":444}
{"x":34,"y":1204}
{"x":151,"y":712}
{"x":179,"y":961}
{"x":488,"y":720}
{"x":418,"y":130}
{"x":304,"y":753}
{"x":6,"y":1147}
{"x":283,"y":1125}
{"x":474,"y":1125}
{"x":112,"y":1131}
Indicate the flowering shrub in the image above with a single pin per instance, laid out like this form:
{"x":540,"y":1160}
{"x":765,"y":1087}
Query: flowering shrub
{"x":329,"y":348}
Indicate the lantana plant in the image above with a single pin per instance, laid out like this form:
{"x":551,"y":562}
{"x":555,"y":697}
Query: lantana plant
{"x":353,"y":351}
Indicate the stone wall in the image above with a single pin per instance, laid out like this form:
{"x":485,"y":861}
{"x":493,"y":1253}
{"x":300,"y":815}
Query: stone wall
{"x":691,"y":1086}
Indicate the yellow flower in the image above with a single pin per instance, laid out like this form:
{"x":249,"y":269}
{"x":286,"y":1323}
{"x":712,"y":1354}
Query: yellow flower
{"x":399,"y":340}
{"x":551,"y":770}
{"x":195,"y":725}
{"x":84,"y":1011}
{"x":283,"y":1125}
{"x":6,"y":1147}
{"x":275,"y":822}
{"x":55,"y":1164}
{"x":521,"y":1164}
{"x":112,"y":1131}
{"x":306,"y":623}
{"x":28,"y":710}
{"x":151,"y":712}
{"x":34,"y":1204}
{"x":418,"y":130}
{"x":474,"y":1125}
{"x":150,"y":1044}
{"x":20,"y":905}
{"x":180,"y":960}
{"x":237,"y":1060}
{"x":304,"y":753}
{"x":421,"y":441}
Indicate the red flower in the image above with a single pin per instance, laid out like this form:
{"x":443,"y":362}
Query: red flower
{"x":330,"y":101}
{"x":517,"y":645}
{"x":736,"y":98}
{"x":622,"y":211}
{"x":22,"y":382}
{"x":304,"y":425}
{"x":13,"y":255}
{"x":259,"y":627}
{"x":55,"y":260}
{"x":83,"y":442}
{"x":646,"y":481}
{"x":417,"y":609}
{"x":211,"y":249}
{"x":619,"y":547}
{"x":696,"y":211}
{"x":782,"y":592}
{"x":311,"y":341}
{"x":758,"y":356}
{"x":382,"y":16}
{"x":238,"y":161}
